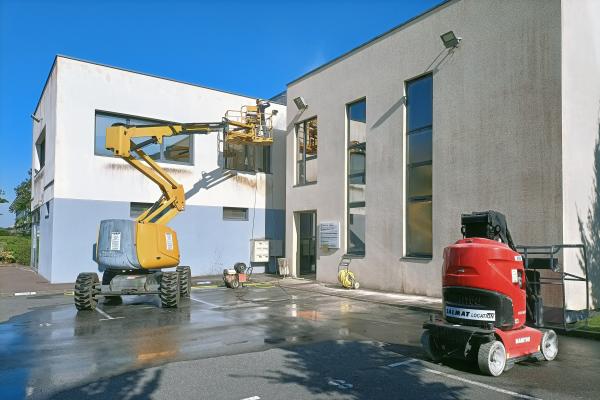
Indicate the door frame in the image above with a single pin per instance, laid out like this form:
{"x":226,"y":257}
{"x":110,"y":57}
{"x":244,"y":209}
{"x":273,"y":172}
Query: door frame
{"x":297,"y":241}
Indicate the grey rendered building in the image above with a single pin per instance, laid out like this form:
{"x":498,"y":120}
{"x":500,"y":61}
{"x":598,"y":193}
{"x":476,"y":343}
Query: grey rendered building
{"x":508,"y":120}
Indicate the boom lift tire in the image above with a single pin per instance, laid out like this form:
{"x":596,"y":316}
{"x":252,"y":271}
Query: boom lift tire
{"x":169,"y":289}
{"x":185,"y":281}
{"x":107,"y":276}
{"x":85,"y":292}
{"x":549,"y":345}
{"x":430,"y":347}
{"x":491,"y":358}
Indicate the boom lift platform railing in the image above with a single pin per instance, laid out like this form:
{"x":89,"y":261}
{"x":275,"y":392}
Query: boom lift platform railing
{"x":546,"y":257}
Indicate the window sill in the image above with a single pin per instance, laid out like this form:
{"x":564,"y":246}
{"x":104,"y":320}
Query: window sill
{"x":416,"y":259}
{"x":304,"y":184}
{"x":355,"y":256}
{"x":159,"y":162}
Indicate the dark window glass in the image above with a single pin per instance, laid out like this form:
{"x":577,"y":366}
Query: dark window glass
{"x":246,"y":157}
{"x":137,"y":209}
{"x":235,"y":214}
{"x":174,"y":149}
{"x":306,"y":151}
{"x":419,"y":101}
{"x":40,"y":147}
{"x":357,"y":176}
{"x":419,"y":124}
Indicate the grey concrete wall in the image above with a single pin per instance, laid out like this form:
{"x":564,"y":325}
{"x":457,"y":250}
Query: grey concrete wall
{"x":581,"y":140}
{"x":496,"y":130}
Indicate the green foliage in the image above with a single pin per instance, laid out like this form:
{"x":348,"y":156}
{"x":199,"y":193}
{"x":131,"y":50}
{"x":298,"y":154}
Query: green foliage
{"x":15,"y":248}
{"x":5,"y":232}
{"x":21,"y":205}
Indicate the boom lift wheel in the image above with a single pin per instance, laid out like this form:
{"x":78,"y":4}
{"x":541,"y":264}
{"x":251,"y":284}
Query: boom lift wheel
{"x":169,"y":289}
{"x":85,"y":292}
{"x":491,"y":358}
{"x":185,"y":281}
{"x":549,"y":345}
{"x":430,"y":347}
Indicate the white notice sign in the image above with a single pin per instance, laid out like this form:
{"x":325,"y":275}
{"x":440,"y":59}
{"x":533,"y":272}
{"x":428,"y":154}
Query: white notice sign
{"x":329,"y":234}
{"x":169,"y":238}
{"x":115,"y":241}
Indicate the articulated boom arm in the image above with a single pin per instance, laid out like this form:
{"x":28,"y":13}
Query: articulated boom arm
{"x":250,"y":125}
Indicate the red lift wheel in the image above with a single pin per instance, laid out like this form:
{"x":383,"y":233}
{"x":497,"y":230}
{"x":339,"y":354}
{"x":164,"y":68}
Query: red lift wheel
{"x":491,"y":358}
{"x":549,"y":345}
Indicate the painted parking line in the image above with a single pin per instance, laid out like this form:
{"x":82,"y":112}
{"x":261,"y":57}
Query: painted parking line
{"x":105,"y":315}
{"x":25,"y":293}
{"x":204,"y":302}
{"x":461,"y":379}
{"x":252,"y":398}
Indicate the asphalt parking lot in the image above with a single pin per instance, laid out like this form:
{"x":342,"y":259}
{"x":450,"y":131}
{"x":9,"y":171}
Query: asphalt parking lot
{"x":261,"y":342}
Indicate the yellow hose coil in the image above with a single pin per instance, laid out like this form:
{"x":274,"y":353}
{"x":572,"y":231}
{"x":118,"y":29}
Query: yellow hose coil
{"x":346,"y":278}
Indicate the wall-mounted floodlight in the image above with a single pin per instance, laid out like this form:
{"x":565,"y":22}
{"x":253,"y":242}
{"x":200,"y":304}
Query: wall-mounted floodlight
{"x":36,"y":119}
{"x":300,"y":103}
{"x":450,"y":40}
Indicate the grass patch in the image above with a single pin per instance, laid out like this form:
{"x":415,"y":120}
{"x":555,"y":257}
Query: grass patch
{"x":593,"y":324}
{"x":15,"y":248}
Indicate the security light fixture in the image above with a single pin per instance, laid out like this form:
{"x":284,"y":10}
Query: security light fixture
{"x":300,"y":103}
{"x":36,"y":119}
{"x":450,"y":40}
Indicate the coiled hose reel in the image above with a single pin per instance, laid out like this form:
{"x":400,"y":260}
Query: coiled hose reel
{"x":347,"y":279}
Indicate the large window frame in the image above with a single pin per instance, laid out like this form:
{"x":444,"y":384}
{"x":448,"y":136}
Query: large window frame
{"x":127,"y":119}
{"x":305,"y":157}
{"x":418,"y":173}
{"x":356,"y":178}
{"x":251,"y":156}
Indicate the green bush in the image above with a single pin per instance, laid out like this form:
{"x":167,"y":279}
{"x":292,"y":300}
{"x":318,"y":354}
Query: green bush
{"x":4,"y":232}
{"x":17,"y":248}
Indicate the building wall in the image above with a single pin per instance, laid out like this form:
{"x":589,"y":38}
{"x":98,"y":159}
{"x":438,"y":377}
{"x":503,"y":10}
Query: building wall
{"x":496,"y":132}
{"x":43,"y":178}
{"x":89,"y":188}
{"x":581,"y":140}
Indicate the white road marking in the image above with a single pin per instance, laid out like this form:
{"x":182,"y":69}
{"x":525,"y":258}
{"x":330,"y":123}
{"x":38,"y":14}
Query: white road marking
{"x":25,"y":293}
{"x":410,"y":360}
{"x":252,"y":398}
{"x":208,"y":304}
{"x":107,"y":317}
{"x":464,"y":380}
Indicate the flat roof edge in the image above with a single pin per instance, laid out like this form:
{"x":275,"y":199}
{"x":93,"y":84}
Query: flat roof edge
{"x":374,"y":40}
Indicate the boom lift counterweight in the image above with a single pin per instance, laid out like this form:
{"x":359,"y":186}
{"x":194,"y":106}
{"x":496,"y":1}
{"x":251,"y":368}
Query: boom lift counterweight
{"x":133,"y":253}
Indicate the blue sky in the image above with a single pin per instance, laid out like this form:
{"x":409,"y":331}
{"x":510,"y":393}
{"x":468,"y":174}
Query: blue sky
{"x":239,"y":46}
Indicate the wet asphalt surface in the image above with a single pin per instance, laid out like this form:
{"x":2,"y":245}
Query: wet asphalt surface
{"x":262,"y":342}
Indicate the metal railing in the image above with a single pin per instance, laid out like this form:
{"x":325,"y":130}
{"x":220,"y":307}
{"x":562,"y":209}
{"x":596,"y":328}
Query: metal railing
{"x":550,"y":252}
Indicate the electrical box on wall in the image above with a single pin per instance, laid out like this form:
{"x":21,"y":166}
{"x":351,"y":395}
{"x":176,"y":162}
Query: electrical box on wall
{"x":259,"y":250}
{"x":329,"y":234}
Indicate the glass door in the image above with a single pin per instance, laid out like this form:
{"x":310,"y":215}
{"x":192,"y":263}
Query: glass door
{"x":307,"y":243}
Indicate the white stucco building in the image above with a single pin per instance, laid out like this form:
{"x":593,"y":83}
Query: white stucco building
{"x":233,"y":194}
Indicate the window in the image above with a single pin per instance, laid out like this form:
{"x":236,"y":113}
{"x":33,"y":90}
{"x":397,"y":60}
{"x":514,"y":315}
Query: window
{"x":247,"y":157}
{"x":174,"y":149}
{"x":40,"y":149}
{"x":419,"y":123}
{"x":137,"y":209}
{"x":235,"y":214}
{"x":357,"y":176}
{"x":306,"y":151}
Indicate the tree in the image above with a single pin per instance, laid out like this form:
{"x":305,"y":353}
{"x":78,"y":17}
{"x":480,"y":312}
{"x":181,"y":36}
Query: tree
{"x":21,"y":206}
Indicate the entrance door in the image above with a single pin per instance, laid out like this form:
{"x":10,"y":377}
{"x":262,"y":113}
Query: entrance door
{"x":35,"y":246}
{"x":307,"y":243}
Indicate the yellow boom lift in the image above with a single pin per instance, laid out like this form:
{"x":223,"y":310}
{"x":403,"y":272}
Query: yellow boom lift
{"x":133,"y":253}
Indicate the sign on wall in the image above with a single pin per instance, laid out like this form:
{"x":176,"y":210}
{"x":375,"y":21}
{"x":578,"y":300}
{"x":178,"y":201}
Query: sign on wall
{"x":329,"y":234}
